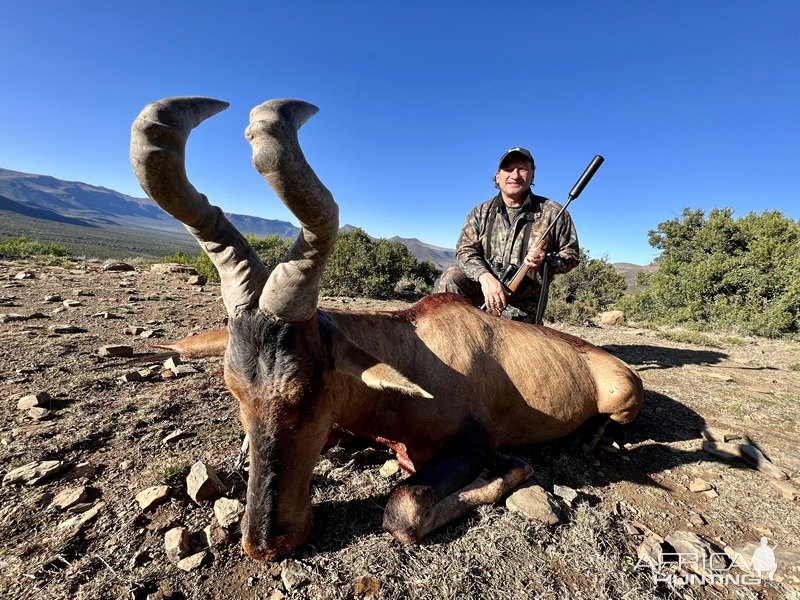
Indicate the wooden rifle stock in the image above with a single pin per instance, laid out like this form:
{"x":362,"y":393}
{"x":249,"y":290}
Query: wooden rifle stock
{"x":516,"y":281}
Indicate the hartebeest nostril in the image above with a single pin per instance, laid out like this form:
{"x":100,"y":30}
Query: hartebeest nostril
{"x":265,"y":548}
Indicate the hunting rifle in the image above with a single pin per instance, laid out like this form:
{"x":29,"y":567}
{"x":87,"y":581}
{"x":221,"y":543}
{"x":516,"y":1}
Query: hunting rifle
{"x":511,"y":279}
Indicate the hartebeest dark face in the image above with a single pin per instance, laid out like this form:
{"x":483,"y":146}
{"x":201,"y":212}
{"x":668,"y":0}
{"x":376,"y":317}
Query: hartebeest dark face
{"x":275,"y":369}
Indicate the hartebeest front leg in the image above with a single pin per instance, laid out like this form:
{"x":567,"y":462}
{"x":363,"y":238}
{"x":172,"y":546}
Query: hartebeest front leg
{"x":454,"y":483}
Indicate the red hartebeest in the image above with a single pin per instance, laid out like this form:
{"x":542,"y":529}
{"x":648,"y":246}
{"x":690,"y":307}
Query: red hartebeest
{"x":442,"y":383}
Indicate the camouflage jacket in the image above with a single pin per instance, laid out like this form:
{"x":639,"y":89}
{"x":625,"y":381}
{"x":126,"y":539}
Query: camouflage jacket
{"x":478,"y":253}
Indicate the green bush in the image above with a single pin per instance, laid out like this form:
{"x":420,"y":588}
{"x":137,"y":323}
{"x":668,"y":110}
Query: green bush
{"x":358,"y":265}
{"x":590,"y":288}
{"x":718,"y":272}
{"x":24,"y":247}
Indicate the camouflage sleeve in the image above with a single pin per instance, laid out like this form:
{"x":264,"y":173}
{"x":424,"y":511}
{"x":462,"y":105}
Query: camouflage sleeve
{"x":565,"y":238}
{"x":469,"y":250}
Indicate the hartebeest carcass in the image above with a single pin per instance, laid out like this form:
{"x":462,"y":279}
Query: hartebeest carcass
{"x":442,"y":383}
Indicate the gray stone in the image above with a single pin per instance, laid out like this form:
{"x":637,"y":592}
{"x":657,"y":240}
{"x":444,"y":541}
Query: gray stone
{"x":106,"y":315}
{"x":215,"y":535}
{"x":294,"y":575}
{"x":699,"y":485}
{"x":133,"y":330}
{"x":650,"y":551}
{"x":183,"y":370}
{"x":612,"y":317}
{"x":53,"y":298}
{"x":203,"y":484}
{"x":25,"y":275}
{"x":11,"y":317}
{"x":40,"y":399}
{"x":176,"y":544}
{"x":117,"y":265}
{"x":72,"y":303}
{"x":164,"y":268}
{"x":116,"y":350}
{"x":70,"y":497}
{"x":228,"y":512}
{"x":567,"y":494}
{"x":132,"y":376}
{"x":150,"y":498}
{"x":172,"y":362}
{"x":39,"y":413}
{"x":190,"y":563}
{"x":34,"y":472}
{"x":197,"y":280}
{"x":532,"y":501}
{"x":63,"y":328}
{"x":149,"y":333}
{"x":177,"y":435}
{"x":82,"y":519}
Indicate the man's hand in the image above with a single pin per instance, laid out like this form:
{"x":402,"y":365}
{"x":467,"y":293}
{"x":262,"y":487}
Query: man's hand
{"x":535,"y":257}
{"x":494,"y":293}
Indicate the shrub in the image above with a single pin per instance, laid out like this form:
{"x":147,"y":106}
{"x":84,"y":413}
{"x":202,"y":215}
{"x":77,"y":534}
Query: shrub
{"x":723,"y":273}
{"x":23,"y":247}
{"x":591,"y":287}
{"x":358,"y":265}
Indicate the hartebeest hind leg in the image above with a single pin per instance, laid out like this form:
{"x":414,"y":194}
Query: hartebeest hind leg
{"x":434,"y":496}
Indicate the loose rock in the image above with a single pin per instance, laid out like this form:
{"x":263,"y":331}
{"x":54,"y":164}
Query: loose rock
{"x":116,"y":350}
{"x":182,"y":370}
{"x":72,"y":303}
{"x":164,"y":268}
{"x":34,"y":472}
{"x":699,"y":485}
{"x":152,"y":497}
{"x":38,"y":413}
{"x":133,"y":330}
{"x":172,"y":362}
{"x":25,"y":275}
{"x":612,"y":317}
{"x":215,"y":535}
{"x":11,"y":317}
{"x":565,"y":493}
{"x":70,"y":497}
{"x":117,"y":265}
{"x":176,"y":435}
{"x":190,"y":563}
{"x":83,"y":518}
{"x":203,"y":484}
{"x":294,"y":575}
{"x":53,"y":298}
{"x":176,"y":544}
{"x":228,"y":512}
{"x":133,"y":376}
{"x":66,"y":329}
{"x":534,"y":502}
{"x":197,"y":280}
{"x":40,"y":399}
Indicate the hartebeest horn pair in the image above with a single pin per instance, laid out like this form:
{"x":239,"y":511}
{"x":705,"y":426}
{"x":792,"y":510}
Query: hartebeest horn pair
{"x":158,"y":143}
{"x":291,"y":292}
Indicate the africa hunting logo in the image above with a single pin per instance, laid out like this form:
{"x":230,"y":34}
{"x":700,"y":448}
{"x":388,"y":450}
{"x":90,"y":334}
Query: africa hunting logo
{"x":703,"y":567}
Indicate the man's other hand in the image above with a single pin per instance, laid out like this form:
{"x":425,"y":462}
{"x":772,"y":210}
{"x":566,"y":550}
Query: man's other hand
{"x":494,"y":294}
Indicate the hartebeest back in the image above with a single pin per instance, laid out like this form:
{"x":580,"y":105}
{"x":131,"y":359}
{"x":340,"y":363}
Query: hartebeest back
{"x":442,"y":383}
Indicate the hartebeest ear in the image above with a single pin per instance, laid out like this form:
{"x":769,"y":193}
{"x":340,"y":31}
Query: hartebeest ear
{"x":352,"y":359}
{"x":208,"y":343}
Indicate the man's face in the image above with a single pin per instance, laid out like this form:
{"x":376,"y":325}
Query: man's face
{"x":515,"y":176}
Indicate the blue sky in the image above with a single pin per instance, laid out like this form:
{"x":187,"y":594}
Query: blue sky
{"x":692,"y":103}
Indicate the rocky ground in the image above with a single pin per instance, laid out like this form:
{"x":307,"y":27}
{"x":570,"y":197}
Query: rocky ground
{"x":118,"y":476}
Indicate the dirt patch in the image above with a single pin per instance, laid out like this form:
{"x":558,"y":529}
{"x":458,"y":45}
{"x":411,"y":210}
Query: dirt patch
{"x":636,"y":482}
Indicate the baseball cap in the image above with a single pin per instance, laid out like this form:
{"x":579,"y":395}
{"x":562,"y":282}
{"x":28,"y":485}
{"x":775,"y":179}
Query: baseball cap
{"x":516,"y":150}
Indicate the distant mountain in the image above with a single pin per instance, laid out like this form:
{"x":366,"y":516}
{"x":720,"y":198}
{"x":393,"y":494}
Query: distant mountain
{"x":631,"y":271}
{"x":93,"y":207}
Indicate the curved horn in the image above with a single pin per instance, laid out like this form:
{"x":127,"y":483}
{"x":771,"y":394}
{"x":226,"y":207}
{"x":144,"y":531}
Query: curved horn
{"x":158,"y":149}
{"x":292,"y":290}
